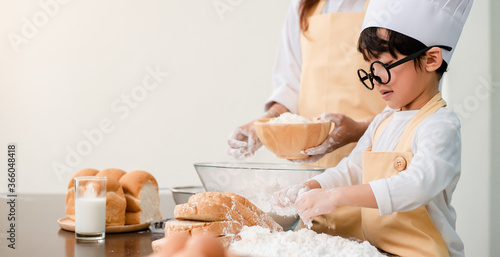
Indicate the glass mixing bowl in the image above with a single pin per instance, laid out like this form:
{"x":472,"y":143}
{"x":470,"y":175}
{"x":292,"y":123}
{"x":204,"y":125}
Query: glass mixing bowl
{"x":257,"y":182}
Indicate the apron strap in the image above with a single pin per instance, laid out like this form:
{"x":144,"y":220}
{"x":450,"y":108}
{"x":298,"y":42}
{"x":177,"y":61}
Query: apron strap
{"x":429,"y":108}
{"x":404,"y":144}
{"x":366,"y":6}
{"x":381,"y":128}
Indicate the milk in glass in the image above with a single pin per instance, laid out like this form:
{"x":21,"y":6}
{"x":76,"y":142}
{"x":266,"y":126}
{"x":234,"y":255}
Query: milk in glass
{"x":90,"y":208}
{"x":90,"y":215}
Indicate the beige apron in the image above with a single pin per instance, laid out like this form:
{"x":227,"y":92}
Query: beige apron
{"x":330,"y":84}
{"x":402,"y":233}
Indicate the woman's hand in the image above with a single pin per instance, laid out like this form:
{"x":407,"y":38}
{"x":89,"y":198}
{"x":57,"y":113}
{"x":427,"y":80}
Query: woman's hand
{"x":346,"y":131}
{"x":243,"y":141}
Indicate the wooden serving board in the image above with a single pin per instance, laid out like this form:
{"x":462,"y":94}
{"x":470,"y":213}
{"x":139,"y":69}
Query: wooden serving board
{"x":69,"y":225}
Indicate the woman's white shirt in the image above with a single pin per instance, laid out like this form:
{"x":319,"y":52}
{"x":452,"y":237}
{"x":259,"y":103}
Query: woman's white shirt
{"x":429,"y":180}
{"x":288,"y":66}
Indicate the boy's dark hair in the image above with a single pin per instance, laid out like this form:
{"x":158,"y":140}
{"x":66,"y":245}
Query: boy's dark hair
{"x":371,"y":45}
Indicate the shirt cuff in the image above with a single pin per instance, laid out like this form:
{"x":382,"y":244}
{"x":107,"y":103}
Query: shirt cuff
{"x":323,"y":180}
{"x":285,"y":98}
{"x":380,"y":189}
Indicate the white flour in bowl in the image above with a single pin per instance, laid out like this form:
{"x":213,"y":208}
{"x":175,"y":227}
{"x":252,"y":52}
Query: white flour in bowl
{"x":289,"y":118}
{"x":260,"y":242}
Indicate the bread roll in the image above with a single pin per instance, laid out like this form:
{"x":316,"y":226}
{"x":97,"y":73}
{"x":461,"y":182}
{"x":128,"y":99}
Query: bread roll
{"x":70,"y":195}
{"x":115,"y":198}
{"x":115,"y":203}
{"x":143,"y":200}
{"x":112,"y":173}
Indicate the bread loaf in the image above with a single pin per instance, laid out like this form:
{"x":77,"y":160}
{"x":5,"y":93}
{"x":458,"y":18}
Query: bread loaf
{"x":227,"y":240}
{"x":70,"y":195}
{"x":261,"y":214}
{"x":143,"y":200}
{"x":213,"y":211}
{"x":187,"y":227}
{"x":220,"y":214}
{"x":213,"y":206}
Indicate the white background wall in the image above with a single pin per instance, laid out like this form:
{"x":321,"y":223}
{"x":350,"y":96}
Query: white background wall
{"x":469,"y":92}
{"x":73,"y":65}
{"x":495,"y":124}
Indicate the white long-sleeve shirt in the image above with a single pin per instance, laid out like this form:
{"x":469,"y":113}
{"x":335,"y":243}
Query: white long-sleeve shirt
{"x":429,"y":180}
{"x":288,"y":66}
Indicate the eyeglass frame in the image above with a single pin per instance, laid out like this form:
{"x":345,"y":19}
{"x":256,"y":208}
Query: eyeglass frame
{"x":408,"y":58}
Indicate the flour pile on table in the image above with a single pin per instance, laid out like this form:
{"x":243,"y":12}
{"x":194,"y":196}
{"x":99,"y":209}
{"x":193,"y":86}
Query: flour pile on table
{"x":260,"y":242}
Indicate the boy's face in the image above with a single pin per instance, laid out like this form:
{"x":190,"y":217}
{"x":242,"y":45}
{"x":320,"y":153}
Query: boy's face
{"x":405,"y":86}
{"x":410,"y":87}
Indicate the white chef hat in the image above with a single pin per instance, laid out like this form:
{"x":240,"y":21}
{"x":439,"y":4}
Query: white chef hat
{"x":432,"y":22}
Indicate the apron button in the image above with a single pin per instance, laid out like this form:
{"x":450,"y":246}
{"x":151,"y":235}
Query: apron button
{"x":399,"y":164}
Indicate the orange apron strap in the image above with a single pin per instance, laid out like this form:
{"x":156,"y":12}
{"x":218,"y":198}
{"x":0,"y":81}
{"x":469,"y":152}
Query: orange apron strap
{"x":429,"y":108}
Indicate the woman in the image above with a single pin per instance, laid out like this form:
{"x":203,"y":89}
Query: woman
{"x":315,"y":75}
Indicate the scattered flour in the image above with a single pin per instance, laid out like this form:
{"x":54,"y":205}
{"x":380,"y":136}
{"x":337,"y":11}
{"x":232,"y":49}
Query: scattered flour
{"x":260,"y":242}
{"x":289,"y":118}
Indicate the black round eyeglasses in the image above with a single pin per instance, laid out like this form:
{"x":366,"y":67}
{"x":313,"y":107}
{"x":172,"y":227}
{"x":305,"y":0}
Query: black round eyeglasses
{"x":382,"y":70}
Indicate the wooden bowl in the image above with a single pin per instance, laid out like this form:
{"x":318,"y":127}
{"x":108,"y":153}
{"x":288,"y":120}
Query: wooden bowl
{"x":287,"y":140}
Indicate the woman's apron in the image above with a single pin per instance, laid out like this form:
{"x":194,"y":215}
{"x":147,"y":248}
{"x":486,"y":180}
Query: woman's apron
{"x":330,"y":84}
{"x":402,"y":233}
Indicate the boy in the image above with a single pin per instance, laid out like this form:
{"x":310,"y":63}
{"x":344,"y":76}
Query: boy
{"x":406,"y":166}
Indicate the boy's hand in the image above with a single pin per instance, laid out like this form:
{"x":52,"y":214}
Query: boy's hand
{"x":287,"y":196}
{"x":316,"y":202}
{"x":320,"y":201}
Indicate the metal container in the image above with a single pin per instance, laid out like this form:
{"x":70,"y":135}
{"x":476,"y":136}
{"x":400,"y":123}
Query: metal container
{"x":182,"y":194}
